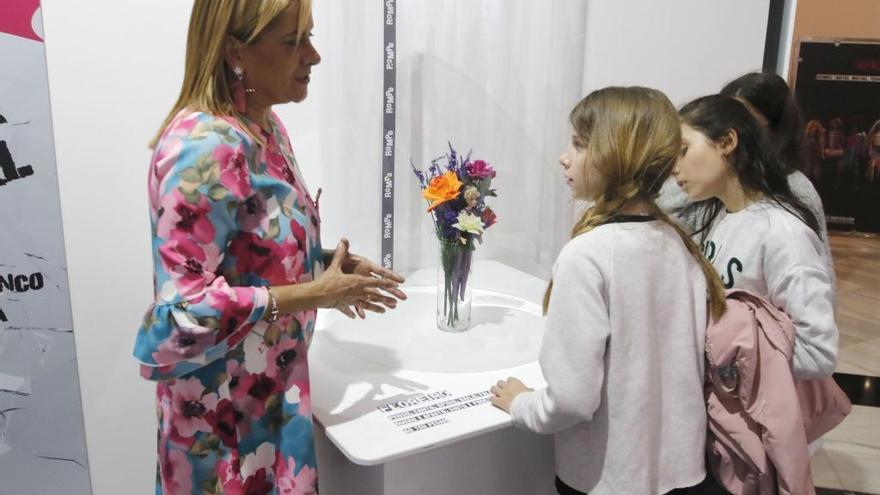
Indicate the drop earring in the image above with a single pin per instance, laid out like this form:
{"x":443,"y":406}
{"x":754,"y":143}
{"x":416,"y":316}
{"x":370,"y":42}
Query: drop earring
{"x":239,"y":91}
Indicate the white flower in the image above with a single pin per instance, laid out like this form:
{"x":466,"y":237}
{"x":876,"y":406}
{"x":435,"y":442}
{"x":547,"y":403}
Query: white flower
{"x":255,"y":352}
{"x":168,"y":291}
{"x":263,"y":458}
{"x":292,"y":395}
{"x":470,"y":223}
{"x":273,"y":208}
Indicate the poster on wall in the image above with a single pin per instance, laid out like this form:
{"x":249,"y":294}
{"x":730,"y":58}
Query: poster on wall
{"x":42,"y":441}
{"x":838,"y":88}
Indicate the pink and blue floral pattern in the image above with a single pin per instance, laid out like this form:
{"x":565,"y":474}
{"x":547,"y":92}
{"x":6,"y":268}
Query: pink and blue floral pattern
{"x":230,"y":217}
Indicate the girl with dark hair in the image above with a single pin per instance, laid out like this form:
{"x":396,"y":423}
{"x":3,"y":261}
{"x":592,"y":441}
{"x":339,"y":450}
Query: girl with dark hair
{"x":751,"y":226}
{"x":770,"y":101}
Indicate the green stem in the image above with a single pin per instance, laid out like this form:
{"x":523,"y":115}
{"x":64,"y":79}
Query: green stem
{"x":450,"y":304}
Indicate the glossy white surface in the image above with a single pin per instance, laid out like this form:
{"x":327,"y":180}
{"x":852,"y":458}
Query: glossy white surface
{"x":358,"y":366}
{"x":505,"y":333}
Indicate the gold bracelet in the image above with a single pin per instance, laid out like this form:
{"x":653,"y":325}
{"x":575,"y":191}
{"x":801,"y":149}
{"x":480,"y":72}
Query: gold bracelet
{"x":273,"y":307}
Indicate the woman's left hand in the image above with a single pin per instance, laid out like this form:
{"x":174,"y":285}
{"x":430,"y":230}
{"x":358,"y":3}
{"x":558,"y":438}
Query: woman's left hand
{"x":505,"y":391}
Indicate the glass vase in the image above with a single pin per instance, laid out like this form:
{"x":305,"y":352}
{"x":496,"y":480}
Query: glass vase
{"x":454,"y":296}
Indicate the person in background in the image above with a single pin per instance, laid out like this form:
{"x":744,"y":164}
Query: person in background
{"x":873,"y":172}
{"x":834,"y":148}
{"x":852,"y":166}
{"x":814,"y":151}
{"x":239,"y":269}
{"x":769,"y":99}
{"x":623,"y":352}
{"x":870,"y":205}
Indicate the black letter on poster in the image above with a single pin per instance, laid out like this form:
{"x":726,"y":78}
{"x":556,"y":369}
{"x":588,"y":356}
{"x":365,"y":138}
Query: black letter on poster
{"x":7,"y":165}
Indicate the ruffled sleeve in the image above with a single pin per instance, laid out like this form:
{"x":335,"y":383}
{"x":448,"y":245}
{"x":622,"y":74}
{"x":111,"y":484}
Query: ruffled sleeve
{"x":200,"y":177}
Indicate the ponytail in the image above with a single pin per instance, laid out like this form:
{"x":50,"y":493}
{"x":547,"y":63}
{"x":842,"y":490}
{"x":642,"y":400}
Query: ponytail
{"x":602,"y":212}
{"x":633,"y":138}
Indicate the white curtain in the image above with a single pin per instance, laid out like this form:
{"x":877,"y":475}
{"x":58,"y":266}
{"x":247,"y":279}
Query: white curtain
{"x":496,"y":76}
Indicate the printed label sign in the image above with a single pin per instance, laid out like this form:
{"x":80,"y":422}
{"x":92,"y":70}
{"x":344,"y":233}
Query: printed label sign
{"x":430,"y":410}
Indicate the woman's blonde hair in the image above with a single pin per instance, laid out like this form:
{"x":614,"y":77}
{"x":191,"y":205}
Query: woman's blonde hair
{"x":632,"y":139}
{"x":206,"y":76}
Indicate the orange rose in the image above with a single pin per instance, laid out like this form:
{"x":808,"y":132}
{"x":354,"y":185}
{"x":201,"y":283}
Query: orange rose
{"x":442,"y":189}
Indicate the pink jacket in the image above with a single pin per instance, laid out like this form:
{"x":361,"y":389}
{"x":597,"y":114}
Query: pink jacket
{"x":760,"y":419}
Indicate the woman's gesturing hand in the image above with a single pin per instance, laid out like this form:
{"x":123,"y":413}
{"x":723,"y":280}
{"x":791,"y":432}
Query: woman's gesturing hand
{"x":352,"y":281}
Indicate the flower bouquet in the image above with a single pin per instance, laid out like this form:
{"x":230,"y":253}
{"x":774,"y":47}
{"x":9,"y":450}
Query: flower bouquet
{"x":456,"y":188}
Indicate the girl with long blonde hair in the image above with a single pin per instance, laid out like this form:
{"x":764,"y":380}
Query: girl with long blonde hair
{"x":627,"y":311}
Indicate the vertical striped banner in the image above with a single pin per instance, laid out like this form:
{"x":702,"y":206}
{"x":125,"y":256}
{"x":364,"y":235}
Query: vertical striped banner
{"x":389,"y":123}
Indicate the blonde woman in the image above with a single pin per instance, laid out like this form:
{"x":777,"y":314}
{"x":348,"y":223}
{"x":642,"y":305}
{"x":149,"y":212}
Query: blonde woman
{"x":238,"y":266}
{"x":626,"y":313}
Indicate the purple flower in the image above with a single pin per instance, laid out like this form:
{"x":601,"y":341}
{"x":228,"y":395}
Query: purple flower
{"x":446,"y":216}
{"x":419,"y":174}
{"x":452,"y":159}
{"x":434,"y":169}
{"x":480,"y":170}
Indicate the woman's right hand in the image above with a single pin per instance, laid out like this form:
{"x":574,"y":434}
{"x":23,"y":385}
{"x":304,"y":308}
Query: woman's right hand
{"x":343,"y":291}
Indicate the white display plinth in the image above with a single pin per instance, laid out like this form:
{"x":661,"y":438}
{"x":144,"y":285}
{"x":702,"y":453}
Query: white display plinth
{"x":401,"y":408}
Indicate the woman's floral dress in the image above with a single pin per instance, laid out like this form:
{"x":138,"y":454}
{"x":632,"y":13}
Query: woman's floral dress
{"x":230,"y":216}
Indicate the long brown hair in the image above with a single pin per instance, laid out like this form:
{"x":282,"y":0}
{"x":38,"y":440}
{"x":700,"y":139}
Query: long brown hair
{"x":632,"y":139}
{"x":770,"y":96}
{"x":206,"y":76}
{"x":759,"y":170}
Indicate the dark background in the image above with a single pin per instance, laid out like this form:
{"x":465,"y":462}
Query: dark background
{"x":848,"y":195}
